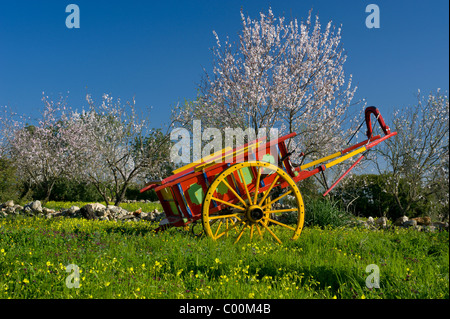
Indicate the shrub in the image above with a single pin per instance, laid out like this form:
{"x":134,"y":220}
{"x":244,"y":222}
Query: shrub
{"x":66,"y":189}
{"x":133,"y":192}
{"x":324,"y":212}
{"x":366,"y":195}
{"x":10,"y":187}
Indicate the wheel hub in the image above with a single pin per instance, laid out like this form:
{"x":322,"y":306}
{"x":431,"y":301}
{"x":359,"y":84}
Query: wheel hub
{"x":254,"y":213}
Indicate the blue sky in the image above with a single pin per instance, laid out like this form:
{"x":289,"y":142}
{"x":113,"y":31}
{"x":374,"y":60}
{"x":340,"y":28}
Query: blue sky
{"x":156,"y":50}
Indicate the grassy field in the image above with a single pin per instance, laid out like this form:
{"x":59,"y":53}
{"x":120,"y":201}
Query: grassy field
{"x":128,"y":260}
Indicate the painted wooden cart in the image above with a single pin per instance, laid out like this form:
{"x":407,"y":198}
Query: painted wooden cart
{"x":243,"y":192}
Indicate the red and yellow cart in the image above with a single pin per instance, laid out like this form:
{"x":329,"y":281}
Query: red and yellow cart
{"x":235,"y":195}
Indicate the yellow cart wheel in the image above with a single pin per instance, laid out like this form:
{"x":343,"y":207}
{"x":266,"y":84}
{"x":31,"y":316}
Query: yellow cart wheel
{"x":253,"y":214}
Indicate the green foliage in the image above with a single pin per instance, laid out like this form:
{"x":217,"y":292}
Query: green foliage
{"x":66,"y":189}
{"x":321,"y":211}
{"x":325,"y":212}
{"x":10,"y":187}
{"x":133,"y":193}
{"x":368,"y":195}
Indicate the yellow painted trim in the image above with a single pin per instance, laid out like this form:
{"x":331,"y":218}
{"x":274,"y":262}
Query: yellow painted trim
{"x":217,"y":157}
{"x":320,"y":160}
{"x":202,"y":160}
{"x":343,"y":158}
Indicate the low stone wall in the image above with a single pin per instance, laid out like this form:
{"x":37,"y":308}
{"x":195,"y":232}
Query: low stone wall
{"x":89,"y":211}
{"x":418,"y":223}
{"x":99,"y":211}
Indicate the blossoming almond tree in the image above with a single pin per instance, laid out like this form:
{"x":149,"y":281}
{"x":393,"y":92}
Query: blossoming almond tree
{"x":288,"y":75}
{"x":417,"y":157}
{"x":42,"y":152}
{"x":108,"y":146}
{"x":114,"y":147}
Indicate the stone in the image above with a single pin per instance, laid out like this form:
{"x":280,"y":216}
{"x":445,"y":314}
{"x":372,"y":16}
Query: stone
{"x":73,"y":209}
{"x":440,"y":225}
{"x":362,"y":223}
{"x":146,"y":216}
{"x":149,"y":216}
{"x":91,"y":211}
{"x":382,"y":221}
{"x":8,"y":203}
{"x":422,"y":220}
{"x":46,"y":210}
{"x":410,"y":223}
{"x":10,"y":210}
{"x":117,"y":212}
{"x":59,"y":214}
{"x":87,"y":212}
{"x":126,"y":217}
{"x":400,"y":221}
{"x":36,"y":206}
{"x":429,"y":229}
{"x":100,"y":213}
{"x":97,"y":207}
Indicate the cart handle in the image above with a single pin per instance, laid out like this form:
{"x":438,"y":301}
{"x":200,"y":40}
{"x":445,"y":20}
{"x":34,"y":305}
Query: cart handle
{"x":376,"y":112}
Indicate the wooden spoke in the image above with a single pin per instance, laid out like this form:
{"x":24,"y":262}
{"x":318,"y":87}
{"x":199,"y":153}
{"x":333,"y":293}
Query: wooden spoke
{"x":277,"y":199}
{"x":268,"y":191}
{"x":281,"y":224}
{"x":218,"y":228}
{"x":226,"y":203}
{"x":242,"y":231}
{"x":271,"y":232}
{"x":282,"y":210}
{"x":228,"y":229}
{"x":224,"y":216}
{"x":226,"y":225}
{"x":259,"y":231}
{"x":245,"y":187}
{"x":258,"y":180}
{"x":234,"y":192}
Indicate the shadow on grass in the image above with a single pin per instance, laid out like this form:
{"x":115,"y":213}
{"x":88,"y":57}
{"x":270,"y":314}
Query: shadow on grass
{"x":321,"y":276}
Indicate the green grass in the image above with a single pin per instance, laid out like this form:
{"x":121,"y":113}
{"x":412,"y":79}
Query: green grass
{"x":128,"y":260}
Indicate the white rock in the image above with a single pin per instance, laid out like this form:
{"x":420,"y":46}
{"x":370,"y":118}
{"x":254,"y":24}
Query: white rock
{"x":410,"y":223}
{"x":36,"y":206}
{"x":401,"y":220}
{"x":97,"y":207}
{"x":73,"y":209}
{"x":9,"y":203}
{"x":382,"y":221}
